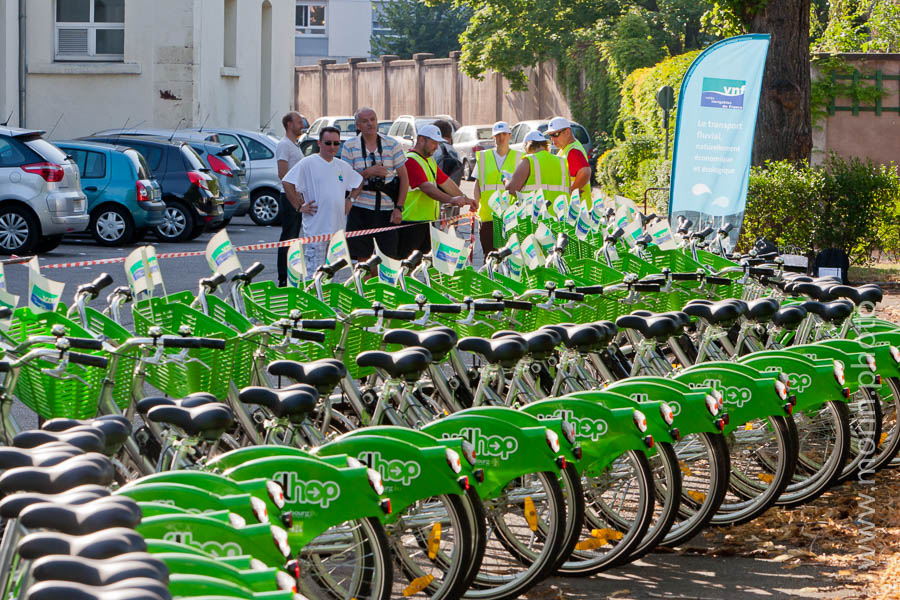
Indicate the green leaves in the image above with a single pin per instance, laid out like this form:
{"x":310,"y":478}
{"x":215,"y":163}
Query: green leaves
{"x":415,"y":26}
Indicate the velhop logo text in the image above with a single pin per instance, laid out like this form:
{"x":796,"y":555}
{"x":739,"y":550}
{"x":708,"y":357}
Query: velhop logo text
{"x":320,"y":493}
{"x":723,"y":93}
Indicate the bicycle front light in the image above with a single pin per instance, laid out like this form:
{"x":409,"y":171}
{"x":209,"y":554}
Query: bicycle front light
{"x":640,"y":420}
{"x":259,"y":509}
{"x":276,"y":493}
{"x":237,"y":521}
{"x":895,"y":354}
{"x":839,"y":372}
{"x":667,"y":413}
{"x":375,"y":481}
{"x":453,"y":460}
{"x":568,"y":430}
{"x":781,"y":389}
{"x":552,"y":440}
{"x":468,"y":450}
{"x":712,"y":405}
{"x":870,"y":361}
{"x":280,"y":537}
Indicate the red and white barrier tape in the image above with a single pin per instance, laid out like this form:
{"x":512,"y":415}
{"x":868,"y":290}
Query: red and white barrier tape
{"x":248,"y":248}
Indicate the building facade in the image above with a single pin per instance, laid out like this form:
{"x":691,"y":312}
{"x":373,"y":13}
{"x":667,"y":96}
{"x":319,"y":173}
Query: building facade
{"x":88,"y":65}
{"x":336,"y":29}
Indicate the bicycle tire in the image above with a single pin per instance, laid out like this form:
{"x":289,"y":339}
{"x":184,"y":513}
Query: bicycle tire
{"x":754,"y":489}
{"x":703,"y":486}
{"x":821,"y":457}
{"x":889,"y":440}
{"x":629,"y":530}
{"x":492,"y":584}
{"x":667,"y":487}
{"x":573,"y":493}
{"x":865,"y":429}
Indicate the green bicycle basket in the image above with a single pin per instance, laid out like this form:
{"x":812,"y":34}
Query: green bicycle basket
{"x":105,"y":328}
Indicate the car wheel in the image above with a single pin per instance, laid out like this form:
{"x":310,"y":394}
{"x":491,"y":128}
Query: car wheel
{"x":178,"y":223}
{"x":111,"y":225}
{"x":18,"y":230}
{"x":140,"y":233}
{"x":48,"y":243}
{"x":264,"y":207}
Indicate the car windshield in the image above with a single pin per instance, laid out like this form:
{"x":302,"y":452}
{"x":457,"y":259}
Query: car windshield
{"x":543,"y":128}
{"x":140,"y":165}
{"x":345,"y":125}
{"x":45,"y":149}
{"x":420,"y":123}
{"x":191,"y":158}
{"x":484,"y":133}
{"x":384,"y":127}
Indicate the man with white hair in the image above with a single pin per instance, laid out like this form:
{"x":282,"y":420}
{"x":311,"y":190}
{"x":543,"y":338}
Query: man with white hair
{"x":493,"y":168}
{"x":381,"y":162}
{"x":428,"y":188}
{"x":560,"y":132}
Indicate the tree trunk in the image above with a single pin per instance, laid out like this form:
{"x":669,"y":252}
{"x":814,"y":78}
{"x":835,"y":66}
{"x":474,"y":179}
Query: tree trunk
{"x":784,"y":128}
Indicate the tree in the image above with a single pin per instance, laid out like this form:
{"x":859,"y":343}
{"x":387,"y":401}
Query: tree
{"x":784,"y":126}
{"x":413,"y":26}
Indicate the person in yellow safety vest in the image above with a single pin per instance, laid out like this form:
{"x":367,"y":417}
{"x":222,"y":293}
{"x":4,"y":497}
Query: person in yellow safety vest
{"x":560,"y":131}
{"x":541,"y":170}
{"x":493,"y":168}
{"x":428,"y":187}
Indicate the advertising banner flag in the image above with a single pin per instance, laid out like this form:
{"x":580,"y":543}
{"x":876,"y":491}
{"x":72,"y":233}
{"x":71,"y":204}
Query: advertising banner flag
{"x":152,"y":265}
{"x":714,"y":129}
{"x":220,"y":254}
{"x":136,"y":272}
{"x":445,"y":250}
{"x":296,"y":264}
{"x":43,"y":294}
{"x":389,"y":268}
{"x":337,"y":249}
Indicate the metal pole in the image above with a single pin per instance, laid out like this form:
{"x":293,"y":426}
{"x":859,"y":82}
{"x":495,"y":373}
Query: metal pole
{"x":22,"y":49}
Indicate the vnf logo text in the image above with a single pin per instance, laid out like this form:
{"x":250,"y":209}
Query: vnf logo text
{"x":213,"y":547}
{"x":585,"y":428}
{"x":732,"y":395}
{"x":486,"y":445}
{"x":392,"y":470}
{"x":797,"y":381}
{"x":321,"y":493}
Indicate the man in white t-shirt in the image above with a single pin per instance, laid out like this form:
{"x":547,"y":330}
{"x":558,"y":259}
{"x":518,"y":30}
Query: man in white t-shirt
{"x":288,"y":154}
{"x":320,"y":184}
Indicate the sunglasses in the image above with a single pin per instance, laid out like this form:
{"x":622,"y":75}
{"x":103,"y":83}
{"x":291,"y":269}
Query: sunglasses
{"x":556,"y":134}
{"x":331,"y":143}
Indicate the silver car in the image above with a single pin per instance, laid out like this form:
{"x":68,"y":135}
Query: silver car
{"x":468,"y":141}
{"x":40,"y":193}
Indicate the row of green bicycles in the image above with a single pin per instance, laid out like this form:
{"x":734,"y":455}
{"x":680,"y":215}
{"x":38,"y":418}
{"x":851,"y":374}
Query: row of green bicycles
{"x":455,"y":435}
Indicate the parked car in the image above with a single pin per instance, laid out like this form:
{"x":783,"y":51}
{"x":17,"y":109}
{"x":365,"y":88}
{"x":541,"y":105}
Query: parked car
{"x":123,"y":198}
{"x":521,"y":129}
{"x":40,"y":193}
{"x":468,"y":140}
{"x":384,"y":127}
{"x":229,"y":171}
{"x":405,"y":126}
{"x":190,"y":191}
{"x":346,"y":125}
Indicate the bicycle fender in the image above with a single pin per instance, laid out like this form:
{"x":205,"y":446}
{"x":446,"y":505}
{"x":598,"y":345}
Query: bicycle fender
{"x":191,"y":498}
{"x":317,"y":494}
{"x":692,"y":414}
{"x":885,"y":365}
{"x":872,"y":325}
{"x":194,"y":585}
{"x":812,"y":383}
{"x":214,"y":536}
{"x":856,"y":369}
{"x":603,"y":434}
{"x":503,"y":450}
{"x":747,"y":398}
{"x":186,"y":564}
{"x":651,"y":409}
{"x":239,"y":456}
{"x":409,"y":473}
{"x":214,"y":483}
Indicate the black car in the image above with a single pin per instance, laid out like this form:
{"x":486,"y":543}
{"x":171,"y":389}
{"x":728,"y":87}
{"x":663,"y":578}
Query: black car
{"x":189,"y":189}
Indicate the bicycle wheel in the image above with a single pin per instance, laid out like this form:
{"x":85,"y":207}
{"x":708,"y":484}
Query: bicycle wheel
{"x":667,"y":488}
{"x":824,"y":438}
{"x":889,"y":440}
{"x":573,"y":493}
{"x":432,"y":546}
{"x":618,"y":510}
{"x":351,"y":560}
{"x":526,"y":527}
{"x":705,"y":468}
{"x":763,"y":455}
{"x":865,"y":431}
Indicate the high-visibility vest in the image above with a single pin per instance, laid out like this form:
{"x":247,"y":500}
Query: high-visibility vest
{"x":586,"y":190}
{"x":420,"y":206}
{"x":550,"y":173}
{"x":490,"y":177}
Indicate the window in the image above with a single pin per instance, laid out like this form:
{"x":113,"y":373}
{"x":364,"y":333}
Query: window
{"x":12,"y":154}
{"x":141,"y":169}
{"x":230,"y":57}
{"x":257,"y":150}
{"x":91,"y":165}
{"x":228,"y":139}
{"x":152,"y":154}
{"x":90,"y":30}
{"x":379,"y":26}
{"x":581,"y":134}
{"x":310,"y":18}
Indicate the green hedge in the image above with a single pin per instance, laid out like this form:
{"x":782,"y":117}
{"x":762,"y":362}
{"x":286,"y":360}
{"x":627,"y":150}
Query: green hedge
{"x":846,"y":203}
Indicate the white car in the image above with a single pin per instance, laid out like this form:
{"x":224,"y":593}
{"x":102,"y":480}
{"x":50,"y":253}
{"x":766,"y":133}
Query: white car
{"x":405,"y":127}
{"x":346,"y":125}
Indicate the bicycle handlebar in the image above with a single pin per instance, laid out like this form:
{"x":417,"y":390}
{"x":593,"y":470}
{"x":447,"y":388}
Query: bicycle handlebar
{"x":194,"y":342}
{"x":645,"y":287}
{"x":399,"y":315}
{"x":308,"y":336}
{"x":248,"y":275}
{"x":589,"y":290}
{"x":88,"y":360}
{"x":330,"y":270}
{"x":85,"y":343}
{"x":518,"y":304}
{"x":713,"y":280}
{"x":686,"y":276}
{"x":487,"y":306}
{"x":447,"y":309}
{"x":317,"y":323}
{"x":564,"y":295}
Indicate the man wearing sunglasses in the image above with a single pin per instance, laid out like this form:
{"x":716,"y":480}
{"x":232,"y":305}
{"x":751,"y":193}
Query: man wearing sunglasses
{"x":324,"y":188}
{"x":560,"y":132}
{"x":381,"y":162}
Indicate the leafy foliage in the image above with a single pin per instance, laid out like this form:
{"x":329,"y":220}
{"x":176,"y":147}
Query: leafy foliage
{"x":825,"y":87}
{"x":418,"y":27}
{"x":857,"y":26}
{"x":847,"y":204}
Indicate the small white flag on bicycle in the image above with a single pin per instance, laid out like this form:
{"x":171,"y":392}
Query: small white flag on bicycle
{"x":531,"y":250}
{"x":6,"y":299}
{"x":545,"y":237}
{"x":499,"y":202}
{"x":630,"y":222}
{"x":463,"y":258}
{"x":510,"y":219}
{"x":136,"y":272}
{"x":296,"y":264}
{"x":337,"y":249}
{"x":445,"y":250}
{"x":662,"y":234}
{"x":389,"y":269}
{"x":574,"y":209}
{"x":220,"y":254}
{"x":584,"y":224}
{"x":561,"y":208}
{"x":43,"y":294}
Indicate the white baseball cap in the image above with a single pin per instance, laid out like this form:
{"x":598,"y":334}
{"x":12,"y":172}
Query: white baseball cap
{"x":431,"y":132}
{"x":500,"y":127}
{"x":535,"y":136}
{"x":558,"y":124}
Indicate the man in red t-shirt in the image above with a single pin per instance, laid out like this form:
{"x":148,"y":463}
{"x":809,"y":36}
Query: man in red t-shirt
{"x":560,"y":131}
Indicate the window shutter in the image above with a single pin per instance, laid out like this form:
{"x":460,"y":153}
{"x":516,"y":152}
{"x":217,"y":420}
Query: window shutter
{"x":72,"y":41}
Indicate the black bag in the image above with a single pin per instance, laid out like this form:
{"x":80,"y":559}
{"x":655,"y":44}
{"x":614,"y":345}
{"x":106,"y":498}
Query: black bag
{"x":391,"y":188}
{"x":450,"y":165}
{"x":832,"y":262}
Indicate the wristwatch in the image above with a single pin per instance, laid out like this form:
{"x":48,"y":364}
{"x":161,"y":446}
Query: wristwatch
{"x":400,"y":208}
